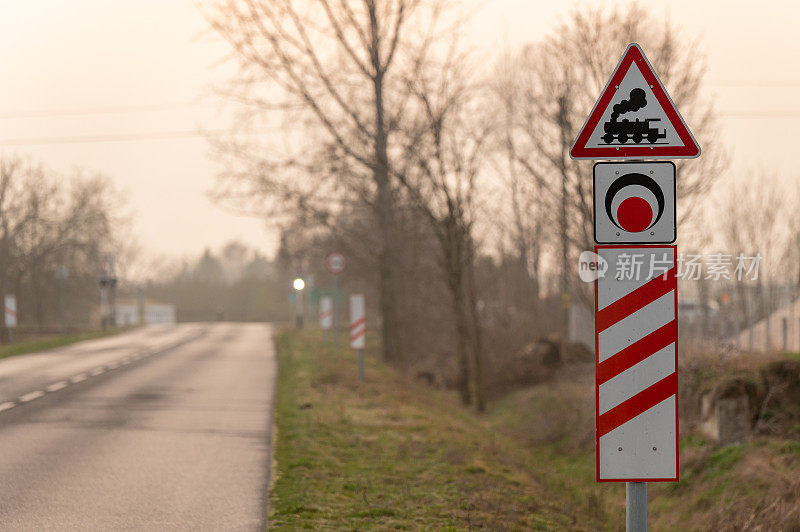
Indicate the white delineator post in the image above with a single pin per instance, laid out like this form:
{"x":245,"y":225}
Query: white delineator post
{"x":358,"y":329}
{"x":10,"y":316}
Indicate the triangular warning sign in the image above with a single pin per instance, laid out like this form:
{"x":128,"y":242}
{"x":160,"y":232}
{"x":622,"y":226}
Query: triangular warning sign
{"x":634,"y":118}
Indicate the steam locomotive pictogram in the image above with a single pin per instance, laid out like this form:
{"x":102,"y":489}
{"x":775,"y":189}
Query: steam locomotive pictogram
{"x":625,"y":130}
{"x":637,"y":131}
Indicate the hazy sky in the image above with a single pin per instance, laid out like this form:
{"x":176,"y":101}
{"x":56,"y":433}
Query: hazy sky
{"x":140,"y":72}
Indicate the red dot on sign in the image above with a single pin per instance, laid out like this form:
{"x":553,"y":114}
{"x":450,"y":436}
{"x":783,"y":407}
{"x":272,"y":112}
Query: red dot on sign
{"x":634,"y":214}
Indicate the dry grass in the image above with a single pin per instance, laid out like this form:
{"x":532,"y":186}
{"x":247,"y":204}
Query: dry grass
{"x":752,"y":486}
{"x":391,"y":454}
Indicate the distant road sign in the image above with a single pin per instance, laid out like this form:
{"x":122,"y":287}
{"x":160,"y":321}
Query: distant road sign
{"x":326,"y":313}
{"x":634,"y":118}
{"x":636,"y":374}
{"x":358,"y":321}
{"x":634,"y":203}
{"x":11,"y":311}
{"x":335,"y":262}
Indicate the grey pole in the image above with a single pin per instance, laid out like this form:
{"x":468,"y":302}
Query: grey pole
{"x":61,"y":274}
{"x":299,"y":308}
{"x":361,"y":365}
{"x":103,"y":306}
{"x":140,"y":305}
{"x":636,"y":506}
{"x":112,"y":302}
{"x":61,"y":309}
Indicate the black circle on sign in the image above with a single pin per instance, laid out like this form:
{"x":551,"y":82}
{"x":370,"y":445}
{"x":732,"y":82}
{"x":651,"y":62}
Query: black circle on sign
{"x":635,"y":179}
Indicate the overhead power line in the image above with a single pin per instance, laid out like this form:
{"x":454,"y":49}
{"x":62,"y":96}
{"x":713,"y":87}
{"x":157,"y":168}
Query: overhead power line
{"x":755,"y":83}
{"x":189,"y":134}
{"x":761,"y":114}
{"x":121,"y":109}
{"x":123,"y":137}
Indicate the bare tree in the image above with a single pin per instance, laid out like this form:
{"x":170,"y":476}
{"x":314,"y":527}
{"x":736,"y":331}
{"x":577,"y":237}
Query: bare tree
{"x":750,"y":222}
{"x":45,"y":225}
{"x":549,"y":90}
{"x":332,"y":66}
{"x":522,"y":188}
{"x":446,"y":152}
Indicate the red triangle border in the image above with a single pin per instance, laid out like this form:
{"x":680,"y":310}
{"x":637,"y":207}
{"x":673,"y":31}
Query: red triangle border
{"x":690,"y":148}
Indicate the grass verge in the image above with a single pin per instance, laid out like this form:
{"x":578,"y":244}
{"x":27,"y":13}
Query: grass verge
{"x":748,"y":486}
{"x":389,"y":454}
{"x":42,"y":344}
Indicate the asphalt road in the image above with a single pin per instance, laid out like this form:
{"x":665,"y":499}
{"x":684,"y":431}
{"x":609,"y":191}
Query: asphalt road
{"x":157,"y":429}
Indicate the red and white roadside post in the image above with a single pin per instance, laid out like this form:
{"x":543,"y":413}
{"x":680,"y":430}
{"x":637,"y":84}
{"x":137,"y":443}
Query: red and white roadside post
{"x":326,"y":314}
{"x":636,"y":293}
{"x":358,"y":329}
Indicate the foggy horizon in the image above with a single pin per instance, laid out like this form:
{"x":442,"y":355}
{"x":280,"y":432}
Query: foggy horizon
{"x":131,"y":93}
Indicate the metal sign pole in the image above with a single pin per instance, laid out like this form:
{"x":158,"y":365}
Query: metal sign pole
{"x":103,"y":305}
{"x":636,"y":506}
{"x":361,"y":365}
{"x":299,"y":309}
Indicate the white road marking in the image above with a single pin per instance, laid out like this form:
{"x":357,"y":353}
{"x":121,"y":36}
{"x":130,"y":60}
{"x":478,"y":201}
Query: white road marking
{"x":80,"y":377}
{"x":31,"y":396}
{"x":56,"y":386}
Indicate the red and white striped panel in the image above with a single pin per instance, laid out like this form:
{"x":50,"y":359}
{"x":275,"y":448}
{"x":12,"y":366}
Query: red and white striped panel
{"x":11,"y":311}
{"x":358,"y":321}
{"x":636,"y":334}
{"x":326,"y":313}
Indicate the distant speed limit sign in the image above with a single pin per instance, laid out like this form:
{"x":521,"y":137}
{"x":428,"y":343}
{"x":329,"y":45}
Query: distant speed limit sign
{"x":335,"y":262}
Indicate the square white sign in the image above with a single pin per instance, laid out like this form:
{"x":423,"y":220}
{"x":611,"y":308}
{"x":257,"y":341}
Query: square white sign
{"x":634,"y":203}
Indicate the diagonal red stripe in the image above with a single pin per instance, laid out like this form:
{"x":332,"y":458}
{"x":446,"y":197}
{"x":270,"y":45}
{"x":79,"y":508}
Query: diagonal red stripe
{"x":356,"y":335}
{"x":636,"y":352}
{"x":639,"y":298}
{"x":356,"y":323}
{"x":636,"y":405}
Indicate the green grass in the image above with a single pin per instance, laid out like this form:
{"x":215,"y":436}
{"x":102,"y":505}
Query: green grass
{"x":389,"y":454}
{"x":42,"y":344}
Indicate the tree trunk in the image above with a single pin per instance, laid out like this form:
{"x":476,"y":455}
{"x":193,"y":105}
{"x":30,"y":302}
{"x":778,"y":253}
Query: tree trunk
{"x":461,"y":282}
{"x":563,"y":229}
{"x":477,"y":337}
{"x":387,"y":265}
{"x":455,"y":284}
